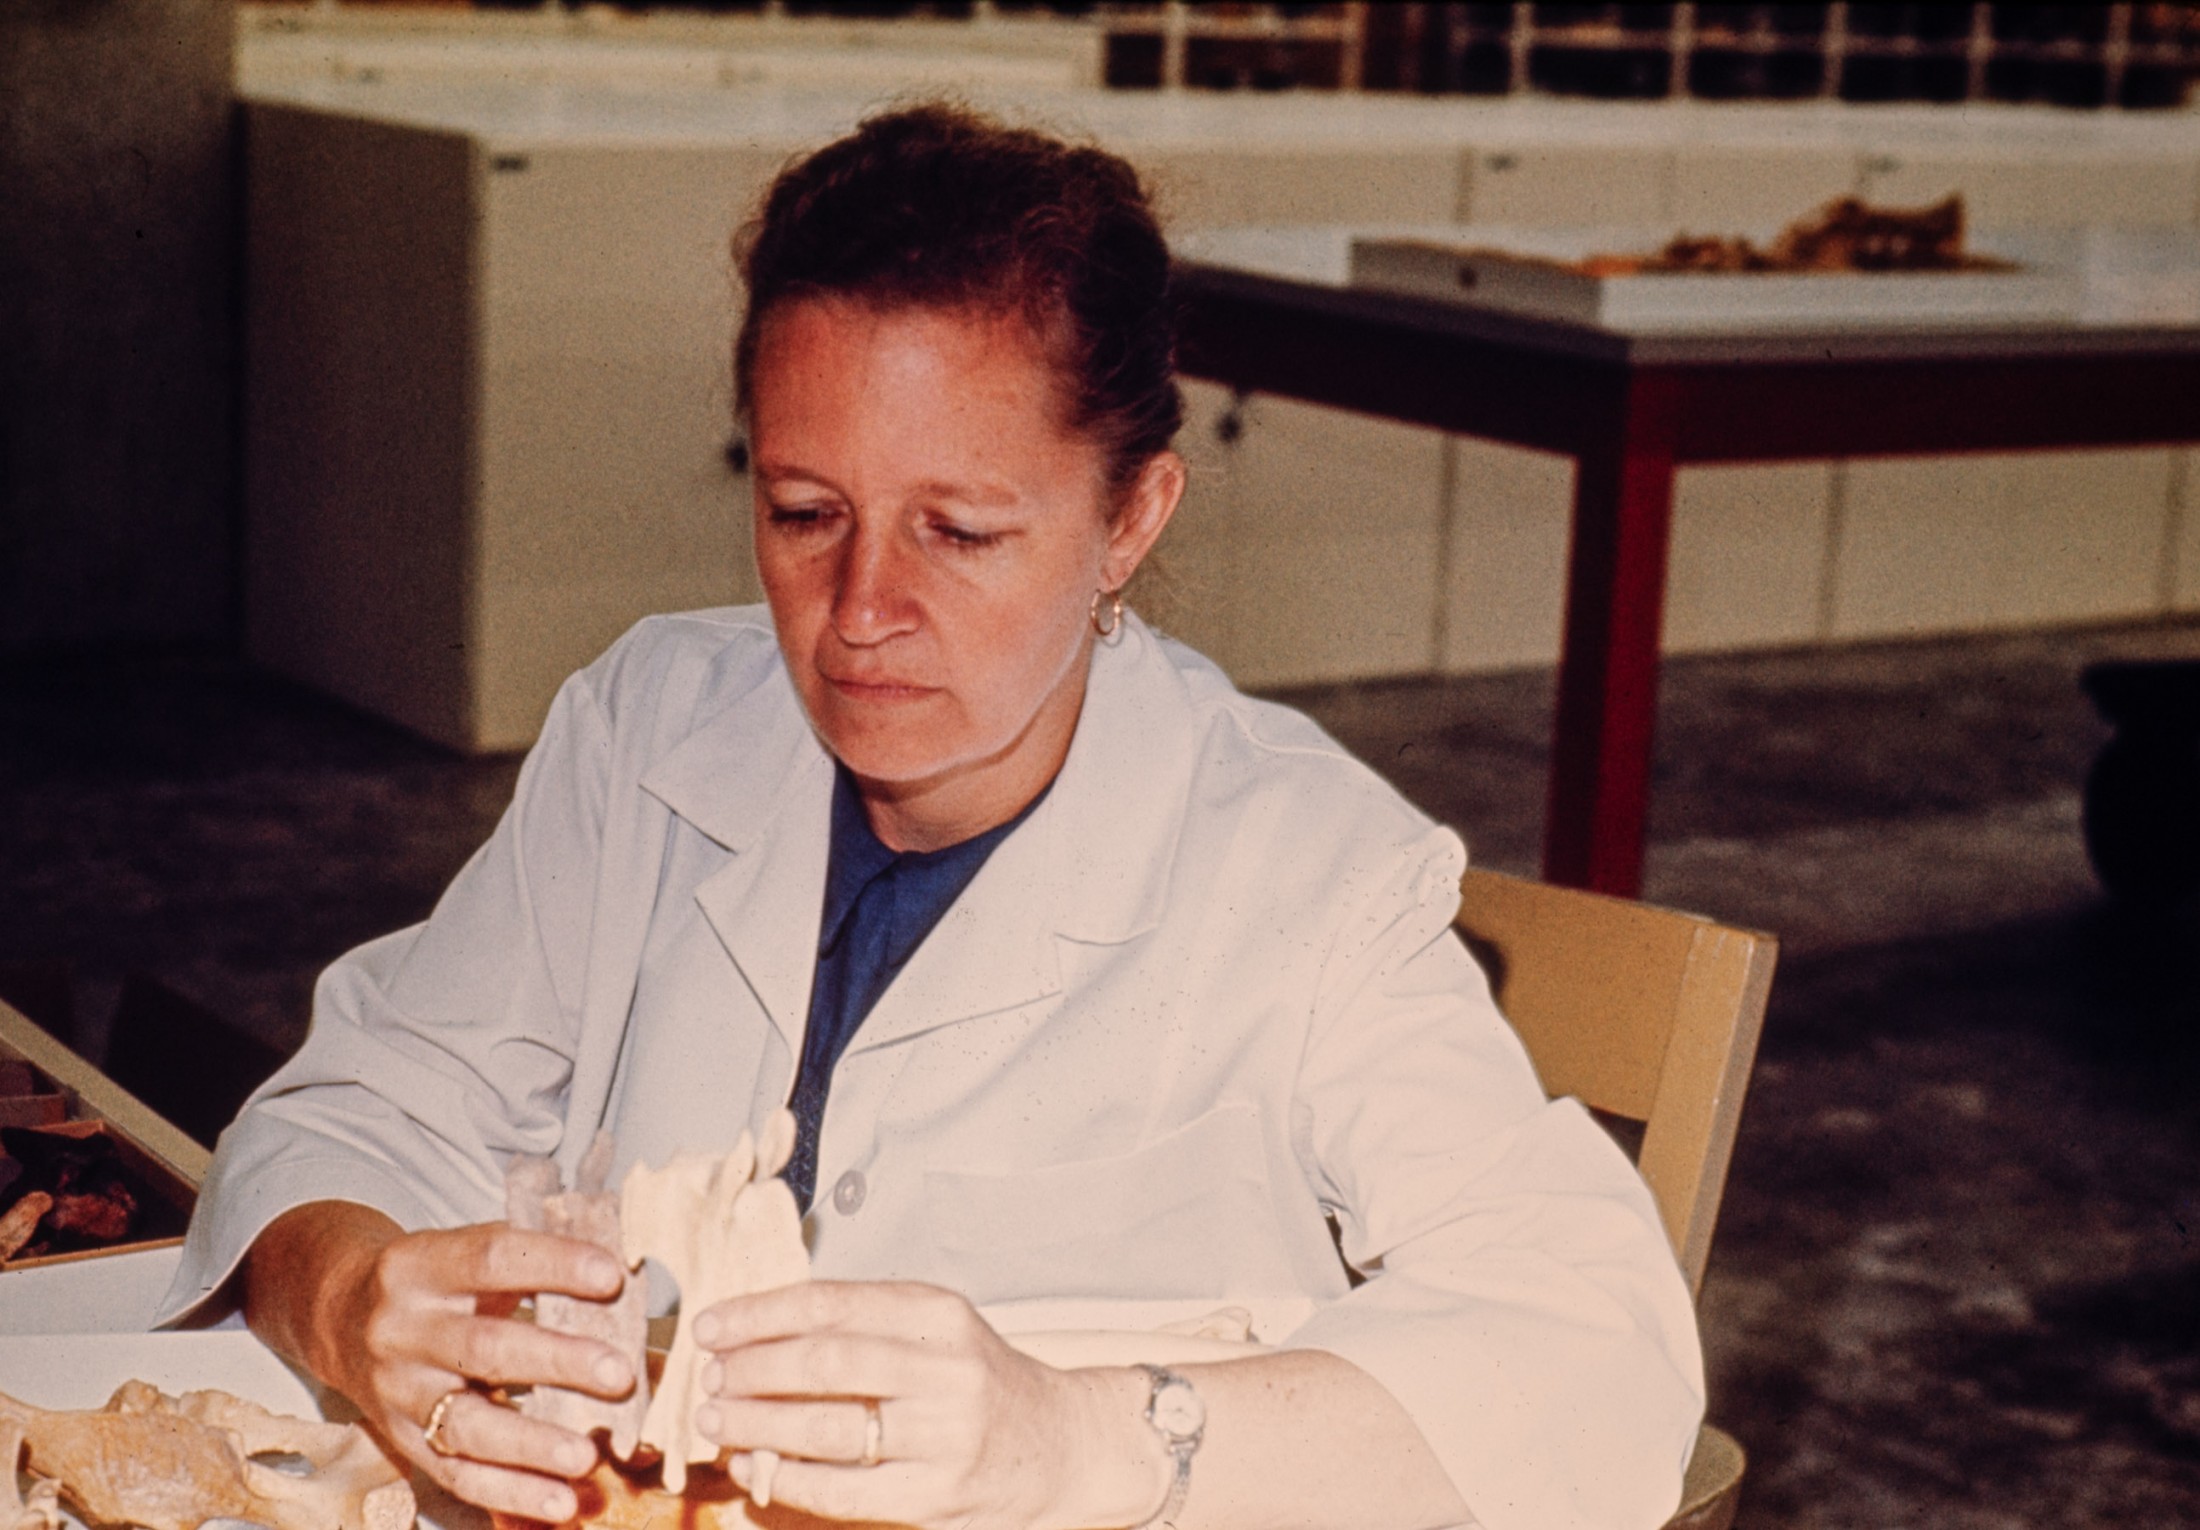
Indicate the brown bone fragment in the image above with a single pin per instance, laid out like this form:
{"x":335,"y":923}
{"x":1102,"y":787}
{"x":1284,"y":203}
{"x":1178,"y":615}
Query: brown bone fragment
{"x":20,"y":1225}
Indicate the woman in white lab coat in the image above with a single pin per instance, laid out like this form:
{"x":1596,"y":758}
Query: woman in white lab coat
{"x":1100,"y":989}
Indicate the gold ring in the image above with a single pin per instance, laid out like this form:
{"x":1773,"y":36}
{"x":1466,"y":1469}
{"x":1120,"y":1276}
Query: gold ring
{"x":874,"y":1432}
{"x":431,"y":1433}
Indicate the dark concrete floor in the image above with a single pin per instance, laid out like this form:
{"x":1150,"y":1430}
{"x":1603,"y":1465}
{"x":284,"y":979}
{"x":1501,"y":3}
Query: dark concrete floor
{"x":1956,"y":1281}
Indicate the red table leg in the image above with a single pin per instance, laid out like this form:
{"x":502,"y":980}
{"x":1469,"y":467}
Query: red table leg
{"x":1608,"y":669}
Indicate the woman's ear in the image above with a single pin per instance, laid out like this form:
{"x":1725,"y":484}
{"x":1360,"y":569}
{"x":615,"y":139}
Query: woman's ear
{"x":1153,"y":498}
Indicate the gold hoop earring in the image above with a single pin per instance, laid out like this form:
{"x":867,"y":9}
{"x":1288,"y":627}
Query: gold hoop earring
{"x":1115,"y":612}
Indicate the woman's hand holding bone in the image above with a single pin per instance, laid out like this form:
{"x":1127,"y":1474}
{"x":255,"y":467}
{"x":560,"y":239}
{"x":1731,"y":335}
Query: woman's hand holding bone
{"x":407,"y":1323}
{"x":897,"y":1402}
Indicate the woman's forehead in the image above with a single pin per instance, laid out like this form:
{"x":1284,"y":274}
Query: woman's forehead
{"x":949,"y":327}
{"x":957,"y":397}
{"x":838,"y":354}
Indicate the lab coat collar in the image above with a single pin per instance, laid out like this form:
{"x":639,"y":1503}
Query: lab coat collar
{"x":1117,"y":808}
{"x":733,"y":774}
{"x":1091,"y":864}
{"x":754,"y":778}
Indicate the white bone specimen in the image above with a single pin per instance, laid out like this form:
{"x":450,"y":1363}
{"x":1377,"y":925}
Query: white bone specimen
{"x":168,"y":1463}
{"x":722,"y":1228}
{"x":534,"y":1200}
{"x":41,"y":1508}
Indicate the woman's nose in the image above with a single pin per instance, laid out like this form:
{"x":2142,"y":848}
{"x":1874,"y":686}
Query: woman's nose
{"x":874,"y":598}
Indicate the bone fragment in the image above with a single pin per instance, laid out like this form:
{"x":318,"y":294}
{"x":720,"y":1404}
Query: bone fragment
{"x":761,"y":1479}
{"x":20,"y":1225}
{"x":722,"y":1228}
{"x":534,"y":1199}
{"x":40,"y":1509}
{"x":528,"y":1182}
{"x":775,"y":1145}
{"x":166,"y":1463}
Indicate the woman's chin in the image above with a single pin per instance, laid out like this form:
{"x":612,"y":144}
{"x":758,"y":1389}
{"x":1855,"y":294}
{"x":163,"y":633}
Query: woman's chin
{"x":881,"y":755}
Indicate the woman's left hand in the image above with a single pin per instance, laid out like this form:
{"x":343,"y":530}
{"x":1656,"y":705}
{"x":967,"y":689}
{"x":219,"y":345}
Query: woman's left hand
{"x":968,"y":1432}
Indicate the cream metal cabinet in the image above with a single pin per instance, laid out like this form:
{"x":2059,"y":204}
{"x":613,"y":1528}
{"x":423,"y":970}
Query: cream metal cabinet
{"x":486,"y":423}
{"x":2181,"y":571}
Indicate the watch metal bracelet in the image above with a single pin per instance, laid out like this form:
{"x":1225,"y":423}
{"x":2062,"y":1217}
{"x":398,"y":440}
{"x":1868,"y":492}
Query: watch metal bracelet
{"x":1175,"y":1412}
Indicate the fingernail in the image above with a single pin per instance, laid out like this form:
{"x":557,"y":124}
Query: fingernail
{"x":603,"y":1273}
{"x":612,"y":1372}
{"x":707,"y":1419}
{"x":714,"y":1376}
{"x":559,"y":1505}
{"x":575,"y":1458}
{"x":706,"y":1329}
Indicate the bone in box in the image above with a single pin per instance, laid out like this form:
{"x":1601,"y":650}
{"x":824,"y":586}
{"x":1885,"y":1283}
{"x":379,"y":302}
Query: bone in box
{"x":52,"y":1100}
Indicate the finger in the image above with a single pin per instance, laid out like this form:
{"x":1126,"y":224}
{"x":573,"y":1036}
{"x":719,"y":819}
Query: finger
{"x":901,"y":1308}
{"x":438,"y":1345}
{"x":833,"y":1430}
{"x":503,"y":1352}
{"x":493,"y":1257}
{"x":823,"y":1365}
{"x":505,"y":1490}
{"x":897,"y":1493}
{"x":476,"y":1429}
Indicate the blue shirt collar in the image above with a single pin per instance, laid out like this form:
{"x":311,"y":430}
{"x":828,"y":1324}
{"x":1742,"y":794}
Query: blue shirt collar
{"x":924,"y":882}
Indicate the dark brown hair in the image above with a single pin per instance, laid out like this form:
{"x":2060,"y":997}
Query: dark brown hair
{"x":937,"y":206}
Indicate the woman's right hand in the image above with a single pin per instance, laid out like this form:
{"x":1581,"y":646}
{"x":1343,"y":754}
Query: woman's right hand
{"x":399,"y":1321}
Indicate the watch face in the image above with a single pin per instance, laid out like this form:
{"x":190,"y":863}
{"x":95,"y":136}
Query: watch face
{"x":1177,"y":1409}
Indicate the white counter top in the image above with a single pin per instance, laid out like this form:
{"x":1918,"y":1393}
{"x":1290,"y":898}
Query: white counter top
{"x":519,"y":112}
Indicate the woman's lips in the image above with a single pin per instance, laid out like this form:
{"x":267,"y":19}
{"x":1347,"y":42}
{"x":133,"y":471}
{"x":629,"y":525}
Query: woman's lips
{"x":879,"y":690}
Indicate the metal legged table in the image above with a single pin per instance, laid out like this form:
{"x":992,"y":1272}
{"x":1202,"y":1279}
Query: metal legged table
{"x":1269,"y":311}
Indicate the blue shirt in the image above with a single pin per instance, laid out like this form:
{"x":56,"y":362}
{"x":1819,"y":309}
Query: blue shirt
{"x":880,"y":903}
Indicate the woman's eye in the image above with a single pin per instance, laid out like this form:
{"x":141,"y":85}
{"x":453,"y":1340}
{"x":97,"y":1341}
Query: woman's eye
{"x":797,"y":517}
{"x":963,"y":536}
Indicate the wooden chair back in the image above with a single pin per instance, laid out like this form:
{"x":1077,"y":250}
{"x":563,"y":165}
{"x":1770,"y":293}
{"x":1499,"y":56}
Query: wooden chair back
{"x":1639,"y":1012}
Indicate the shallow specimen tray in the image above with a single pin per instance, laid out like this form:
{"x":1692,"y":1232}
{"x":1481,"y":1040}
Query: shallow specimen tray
{"x":160,"y":1161}
{"x":1530,"y":271}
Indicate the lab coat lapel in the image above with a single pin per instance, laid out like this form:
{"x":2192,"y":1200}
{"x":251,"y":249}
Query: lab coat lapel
{"x":992,"y":950}
{"x":755,"y":780}
{"x":1091,"y":863}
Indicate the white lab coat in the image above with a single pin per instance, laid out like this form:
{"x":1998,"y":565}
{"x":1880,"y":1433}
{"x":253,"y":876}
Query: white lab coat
{"x":1206,"y":993}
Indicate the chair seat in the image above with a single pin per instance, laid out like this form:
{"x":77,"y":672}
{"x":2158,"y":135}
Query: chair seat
{"x":1712,"y":1489}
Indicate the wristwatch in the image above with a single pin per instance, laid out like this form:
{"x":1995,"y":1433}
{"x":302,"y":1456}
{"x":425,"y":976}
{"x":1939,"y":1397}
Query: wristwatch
{"x":1180,"y":1418}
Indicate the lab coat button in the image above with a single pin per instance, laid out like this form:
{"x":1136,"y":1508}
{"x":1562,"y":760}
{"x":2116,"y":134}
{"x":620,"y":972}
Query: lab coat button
{"x":848,"y":1193}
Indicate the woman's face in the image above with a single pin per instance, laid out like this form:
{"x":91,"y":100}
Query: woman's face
{"x":930,"y":538}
